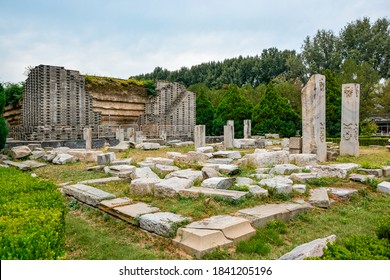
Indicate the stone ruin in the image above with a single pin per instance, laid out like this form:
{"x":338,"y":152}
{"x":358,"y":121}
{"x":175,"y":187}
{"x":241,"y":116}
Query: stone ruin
{"x":59,"y":103}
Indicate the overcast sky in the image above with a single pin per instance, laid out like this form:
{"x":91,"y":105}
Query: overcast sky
{"x":121,"y":38}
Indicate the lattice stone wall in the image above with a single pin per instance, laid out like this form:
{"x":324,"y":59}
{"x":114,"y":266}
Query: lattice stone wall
{"x":171,"y":112}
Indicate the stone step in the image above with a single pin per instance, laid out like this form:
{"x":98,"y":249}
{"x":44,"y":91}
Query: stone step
{"x":108,"y":205}
{"x":87,"y":194}
{"x":19,"y":165}
{"x":227,"y":194}
{"x":101,"y":180}
{"x":131,"y":213}
{"x":259,"y":216}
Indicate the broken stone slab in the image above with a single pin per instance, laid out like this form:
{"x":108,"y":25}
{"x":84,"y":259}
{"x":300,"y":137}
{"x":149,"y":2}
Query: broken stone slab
{"x":259,"y":216}
{"x":285,"y":169}
{"x":319,"y":198}
{"x":263,"y":170}
{"x":64,"y":158}
{"x":37,"y":154}
{"x":160,"y":160}
{"x":49,"y":156}
{"x":193,"y":175}
{"x":360,"y":178}
{"x":122,"y":161}
{"x":144,"y":186}
{"x":311,"y":249}
{"x":341,"y":193}
{"x":173,"y":155}
{"x":95,"y":168}
{"x":227,"y":169}
{"x":161,"y":169}
{"x":108,"y":205}
{"x":87,"y":194}
{"x":386,"y":171}
{"x":34,"y":164}
{"x":107,"y":158}
{"x":234,"y":228}
{"x":376,"y":172}
{"x":121,"y":147}
{"x":301,"y":188}
{"x":261,"y":176}
{"x":210,"y":173}
{"x":146,"y":164}
{"x":19,"y":165}
{"x":122,"y":168}
{"x":144,"y":172}
{"x":20,"y":152}
{"x":279,"y":183}
{"x":198,"y":242}
{"x":170,"y":187}
{"x":61,"y":150}
{"x":226,"y":194}
{"x":218,"y":183}
{"x":84,"y":154}
{"x":196,"y":156}
{"x":303,"y":177}
{"x":257,"y":191}
{"x":265,"y":159}
{"x":220,"y":160}
{"x":33,"y":147}
{"x":227,"y":154}
{"x":244,"y":181}
{"x":206,"y":149}
{"x":384,"y":187}
{"x":131,"y":213}
{"x":150,"y":146}
{"x":182,"y":144}
{"x":162,"y":223}
{"x":101,"y":180}
{"x":303,"y":160}
{"x":339,"y":170}
{"x":4,"y":166}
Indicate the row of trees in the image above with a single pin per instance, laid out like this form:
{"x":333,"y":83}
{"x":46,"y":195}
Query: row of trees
{"x":360,"y":53}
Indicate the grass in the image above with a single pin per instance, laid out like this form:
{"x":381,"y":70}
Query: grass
{"x":369,"y":158}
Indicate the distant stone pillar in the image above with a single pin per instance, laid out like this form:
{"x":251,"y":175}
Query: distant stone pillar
{"x":228,"y":136}
{"x":120,"y":134}
{"x":200,"y":136}
{"x":247,"y":129}
{"x":88,"y":137}
{"x":313,"y":117}
{"x":349,"y":144}
{"x":230,"y":122}
{"x":131,"y":134}
{"x":138,"y":137}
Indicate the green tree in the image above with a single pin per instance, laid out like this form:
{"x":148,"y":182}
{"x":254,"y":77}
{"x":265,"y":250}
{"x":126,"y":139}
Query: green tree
{"x":291,"y":90}
{"x":2,"y":99}
{"x":383,"y":100}
{"x":13,"y":93}
{"x":274,"y":114}
{"x":233,"y":106}
{"x":3,"y":125}
{"x":204,"y":108}
{"x":333,"y":105}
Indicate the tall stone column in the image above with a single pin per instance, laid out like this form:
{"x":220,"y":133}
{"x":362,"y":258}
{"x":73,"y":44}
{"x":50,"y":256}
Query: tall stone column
{"x":247,"y":129}
{"x":120,"y":134}
{"x":349,"y":144}
{"x":131,"y":134}
{"x":88,"y":137}
{"x":200,"y":136}
{"x":228,"y":136}
{"x":313,"y":117}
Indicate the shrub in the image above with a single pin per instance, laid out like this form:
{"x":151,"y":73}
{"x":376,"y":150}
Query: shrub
{"x":3,"y":132}
{"x":32,"y":217}
{"x":383,"y":229}
{"x":365,"y":141}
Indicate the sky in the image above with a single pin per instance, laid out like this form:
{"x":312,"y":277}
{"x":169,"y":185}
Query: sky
{"x":121,"y":38}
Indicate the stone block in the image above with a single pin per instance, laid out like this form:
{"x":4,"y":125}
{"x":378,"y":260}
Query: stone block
{"x":218,"y":183}
{"x":376,"y":172}
{"x":33,"y":147}
{"x":19,"y":165}
{"x":227,"y":169}
{"x":20,"y":152}
{"x":205,"y":149}
{"x":101,"y":180}
{"x":220,"y":160}
{"x":343,"y":194}
{"x":143,"y":186}
{"x":162,"y":223}
{"x":37,"y":154}
{"x":87,"y":194}
{"x":200,"y":136}
{"x":311,"y":249}
{"x":122,"y":161}
{"x":257,"y":191}
{"x":228,"y":136}
{"x":121,"y":147}
{"x":162,"y":170}
{"x":150,"y":146}
{"x":279,"y":183}
{"x":144,"y":172}
{"x":303,"y":177}
{"x":265,"y":159}
{"x":64,"y":158}
{"x":170,"y":187}
{"x":303,"y":160}
{"x":34,"y":164}
{"x":199,"y":157}
{"x":131,"y":213}
{"x":244,"y":181}
{"x":301,"y":188}
{"x":386,"y":170}
{"x":285,"y":169}
{"x":339,"y":170}
{"x":360,"y":178}
{"x":104,"y":159}
{"x":383,"y":187}
{"x":108,"y":205}
{"x":209,"y":172}
{"x":226,"y":194}
{"x":193,"y":175}
{"x":227,"y":154}
{"x":160,"y":160}
{"x":319,"y":198}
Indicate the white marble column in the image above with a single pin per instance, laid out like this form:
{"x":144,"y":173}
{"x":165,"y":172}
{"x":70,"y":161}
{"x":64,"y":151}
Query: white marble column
{"x":247,"y":129}
{"x":228,"y":136}
{"x":88,"y":137}
{"x":200,"y":136}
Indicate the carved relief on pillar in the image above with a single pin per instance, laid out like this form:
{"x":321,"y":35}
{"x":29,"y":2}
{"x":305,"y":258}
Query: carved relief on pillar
{"x":350,"y":131}
{"x":348,"y":91}
{"x":322,"y":84}
{"x":357,"y":90}
{"x":322,"y":132}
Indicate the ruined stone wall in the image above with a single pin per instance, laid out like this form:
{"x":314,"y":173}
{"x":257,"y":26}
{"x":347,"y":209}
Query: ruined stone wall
{"x":171,"y":112}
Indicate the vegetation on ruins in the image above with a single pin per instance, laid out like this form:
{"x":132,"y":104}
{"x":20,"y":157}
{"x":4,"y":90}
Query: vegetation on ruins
{"x":32,"y":217}
{"x":3,"y":125}
{"x":13,"y":93}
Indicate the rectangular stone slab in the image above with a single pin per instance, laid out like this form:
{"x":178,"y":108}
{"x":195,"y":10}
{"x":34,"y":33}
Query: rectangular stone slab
{"x":227,"y":194}
{"x":259,"y":216}
{"x":87,"y":194}
{"x":34,"y":164}
{"x":234,"y":228}
{"x":102,"y":180}
{"x":162,"y":223}
{"x":198,"y":242}
{"x":19,"y":165}
{"x":131,"y":213}
{"x":108,"y":205}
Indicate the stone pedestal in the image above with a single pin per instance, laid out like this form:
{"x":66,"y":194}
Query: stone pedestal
{"x":200,"y":136}
{"x":295,"y":145}
{"x":120,"y":134}
{"x":139,"y":137}
{"x":88,"y":138}
{"x":228,"y":136}
{"x":131,"y":134}
{"x":247,"y":129}
{"x":349,"y":144}
{"x":313,"y":117}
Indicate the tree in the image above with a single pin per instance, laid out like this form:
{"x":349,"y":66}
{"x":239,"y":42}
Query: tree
{"x":3,"y":125}
{"x":383,"y":100}
{"x":235,"y":107}
{"x":204,"y":108}
{"x":2,"y":99}
{"x":13,"y":93}
{"x":291,"y":90}
{"x":322,"y":52}
{"x":365,"y":42}
{"x":333,"y":105}
{"x":274,"y":114}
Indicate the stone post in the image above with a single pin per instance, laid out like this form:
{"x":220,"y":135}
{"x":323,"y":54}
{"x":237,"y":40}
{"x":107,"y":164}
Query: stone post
{"x":88,"y":137}
{"x":228,"y":136}
{"x":131,"y":134}
{"x":200,"y":136}
{"x":120,"y":134}
{"x":247,"y":129}
{"x":138,"y":137}
{"x":313,"y":117}
{"x":230,"y":122}
{"x":349,"y":144}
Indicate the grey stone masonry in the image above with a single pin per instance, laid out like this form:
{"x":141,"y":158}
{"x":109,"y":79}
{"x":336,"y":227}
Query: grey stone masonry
{"x":228,"y":136}
{"x":313,"y":117}
{"x":349,"y":144}
{"x":247,"y":129}
{"x":200,"y":136}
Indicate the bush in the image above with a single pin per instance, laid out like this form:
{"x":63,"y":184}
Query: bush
{"x":383,"y":229}
{"x":3,"y":132}
{"x":365,"y":141}
{"x":2,"y":99}
{"x":32,"y":217}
